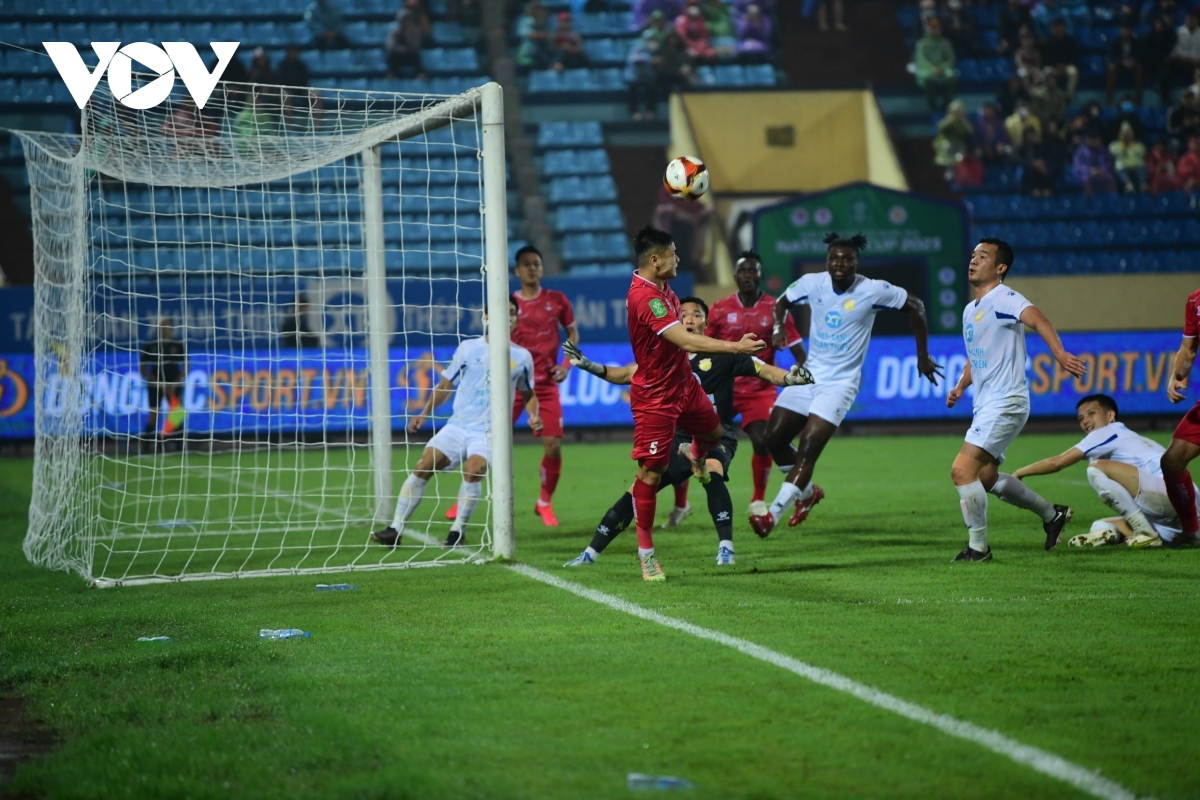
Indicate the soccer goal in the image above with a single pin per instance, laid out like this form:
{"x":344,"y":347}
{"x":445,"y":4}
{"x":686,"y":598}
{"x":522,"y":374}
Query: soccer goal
{"x":238,"y":311}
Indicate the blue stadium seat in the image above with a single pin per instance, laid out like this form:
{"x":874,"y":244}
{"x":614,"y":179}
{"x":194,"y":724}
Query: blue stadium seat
{"x":569,"y":134}
{"x":576,"y":162}
{"x":595,"y":189}
{"x":448,"y":34}
{"x":580,"y":80}
{"x":595,"y":246}
{"x":580,"y":218}
{"x":760,"y":75}
{"x":545,"y":81}
{"x":607,"y":51}
{"x":450,"y":61}
{"x":730,"y":75}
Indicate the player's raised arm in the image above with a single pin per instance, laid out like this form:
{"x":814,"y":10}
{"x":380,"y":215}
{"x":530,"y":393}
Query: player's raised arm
{"x":748,"y":345}
{"x":1181,"y":369}
{"x":796,"y":376}
{"x":1035,"y":319}
{"x":621,"y":376}
{"x":920,"y":325}
{"x":1048,"y":466}
{"x":440,"y":394}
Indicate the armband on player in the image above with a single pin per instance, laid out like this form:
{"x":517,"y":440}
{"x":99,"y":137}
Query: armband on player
{"x":575,"y":356}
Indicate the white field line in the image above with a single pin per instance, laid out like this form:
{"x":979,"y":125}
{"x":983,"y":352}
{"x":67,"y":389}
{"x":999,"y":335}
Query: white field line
{"x":1035,"y":758}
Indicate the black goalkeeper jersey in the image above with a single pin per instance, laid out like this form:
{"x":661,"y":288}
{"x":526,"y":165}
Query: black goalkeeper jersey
{"x":716,"y":372}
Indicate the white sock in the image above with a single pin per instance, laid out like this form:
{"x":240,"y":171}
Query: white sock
{"x":410,"y":497}
{"x":591,"y":552}
{"x":683,"y":508}
{"x":468,"y":497}
{"x":726,"y":543}
{"x":973,"y":502}
{"x":785,"y":468}
{"x":1015,"y":493}
{"x":642,"y":553}
{"x":789,"y":493}
{"x":1118,"y":498}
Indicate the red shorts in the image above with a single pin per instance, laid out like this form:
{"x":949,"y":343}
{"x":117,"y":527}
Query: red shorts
{"x":549,"y":408}
{"x":654,"y":427}
{"x":1189,"y":427}
{"x":754,"y":406}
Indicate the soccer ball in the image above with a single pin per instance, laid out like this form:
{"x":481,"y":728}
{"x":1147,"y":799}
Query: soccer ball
{"x":686,"y":178}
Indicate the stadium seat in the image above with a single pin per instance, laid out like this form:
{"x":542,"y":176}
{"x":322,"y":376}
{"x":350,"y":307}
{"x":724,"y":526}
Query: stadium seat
{"x":576,"y":162}
{"x":552,"y":135}
{"x":579,"y":218}
{"x":594,"y":189}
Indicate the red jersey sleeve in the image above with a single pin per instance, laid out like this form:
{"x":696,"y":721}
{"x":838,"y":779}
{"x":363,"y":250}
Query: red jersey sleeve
{"x":1191,"y":316}
{"x":566,"y":314}
{"x":654,"y":312}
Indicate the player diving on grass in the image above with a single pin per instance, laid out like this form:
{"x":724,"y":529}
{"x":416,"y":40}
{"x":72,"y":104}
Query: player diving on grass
{"x":1185,"y":443}
{"x":994,"y":333}
{"x":718,"y":374}
{"x":464,"y":438}
{"x":844,"y":305}
{"x":751,"y":310}
{"x":663,"y":394}
{"x":1123,"y":468}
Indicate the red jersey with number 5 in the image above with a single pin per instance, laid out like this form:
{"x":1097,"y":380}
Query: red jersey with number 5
{"x":729,"y":320}
{"x":537,"y":329}
{"x":1191,"y":316}
{"x":663,"y":368}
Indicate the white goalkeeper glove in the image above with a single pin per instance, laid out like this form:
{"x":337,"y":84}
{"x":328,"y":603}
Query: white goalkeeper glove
{"x":798,"y":376}
{"x":578,"y":359}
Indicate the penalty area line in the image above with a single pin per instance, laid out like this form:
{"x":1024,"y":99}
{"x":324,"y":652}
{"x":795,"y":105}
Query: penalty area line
{"x":1035,"y":758}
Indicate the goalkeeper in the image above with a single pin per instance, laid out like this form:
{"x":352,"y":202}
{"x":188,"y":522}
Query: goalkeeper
{"x":464,"y":439}
{"x":716,"y":373}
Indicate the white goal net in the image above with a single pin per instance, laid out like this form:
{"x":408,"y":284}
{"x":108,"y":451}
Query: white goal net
{"x":238,"y":311}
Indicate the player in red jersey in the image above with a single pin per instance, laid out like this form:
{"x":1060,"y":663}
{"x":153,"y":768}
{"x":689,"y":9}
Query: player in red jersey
{"x":664,"y":394}
{"x":1185,"y":444}
{"x":753,"y":311}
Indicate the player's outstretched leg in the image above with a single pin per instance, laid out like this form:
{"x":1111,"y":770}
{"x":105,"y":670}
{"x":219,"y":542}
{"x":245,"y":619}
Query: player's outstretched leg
{"x":615,"y":520}
{"x":720,"y":507}
{"x":1016,"y":493}
{"x":1180,"y":488}
{"x":1112,"y":481}
{"x":798,"y":489}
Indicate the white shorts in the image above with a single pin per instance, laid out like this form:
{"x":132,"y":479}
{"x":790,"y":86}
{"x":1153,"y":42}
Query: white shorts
{"x":996,"y":426}
{"x":829,"y":401}
{"x":459,"y":444}
{"x":1153,"y":501}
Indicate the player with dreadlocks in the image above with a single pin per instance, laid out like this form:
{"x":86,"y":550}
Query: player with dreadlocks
{"x":844,"y":305}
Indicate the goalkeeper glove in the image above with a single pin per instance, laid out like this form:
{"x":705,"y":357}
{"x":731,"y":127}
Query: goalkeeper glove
{"x":798,"y":376}
{"x":578,"y":359}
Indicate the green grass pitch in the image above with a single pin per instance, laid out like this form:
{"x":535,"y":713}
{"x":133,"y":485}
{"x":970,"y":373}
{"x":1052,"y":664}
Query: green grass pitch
{"x":474,"y":681}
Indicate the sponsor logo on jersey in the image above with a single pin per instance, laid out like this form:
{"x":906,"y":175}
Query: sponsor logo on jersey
{"x":969,"y":333}
{"x":833,"y":318}
{"x":658,"y":308}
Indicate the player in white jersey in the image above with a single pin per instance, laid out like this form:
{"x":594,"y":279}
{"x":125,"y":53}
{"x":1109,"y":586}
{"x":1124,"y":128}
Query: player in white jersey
{"x":1124,"y":469}
{"x":844,"y":305}
{"x":464,"y":438}
{"x":994,"y":332}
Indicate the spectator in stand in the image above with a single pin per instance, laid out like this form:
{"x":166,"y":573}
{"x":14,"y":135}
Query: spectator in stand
{"x":1028,"y":58}
{"x":959,"y":28}
{"x":1123,"y":65}
{"x":1087,"y":120}
{"x":954,"y":135}
{"x":1034,"y":170}
{"x":1022,"y":118}
{"x":933,"y":65}
{"x":1045,"y":14}
{"x":1155,"y":54}
{"x":675,"y":71}
{"x":1183,"y":119}
{"x":1013,"y":92}
{"x":968,"y":172}
{"x":1186,"y":55}
{"x":754,"y":32}
{"x":693,"y":30}
{"x":189,"y":129}
{"x":926,"y":10}
{"x":1188,"y":168}
{"x":824,"y":7}
{"x":990,"y":142}
{"x":644,"y":10}
{"x":1013,"y":17}
{"x":1093,"y":166}
{"x":719,"y":18}
{"x":260,"y":67}
{"x":1160,"y":164}
{"x":1054,"y":148}
{"x":533,"y":30}
{"x":1126,"y":113}
{"x":1129,"y":160}
{"x":295,"y":330}
{"x":405,"y":39}
{"x":641,"y":75}
{"x":1061,"y":54}
{"x":1046,"y":99}
{"x":567,"y":43}
{"x":252,"y":122}
{"x":291,"y":71}
{"x":325,"y":21}
{"x":658,"y":27}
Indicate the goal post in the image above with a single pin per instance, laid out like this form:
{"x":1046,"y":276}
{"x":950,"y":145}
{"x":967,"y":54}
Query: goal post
{"x":372,"y":223}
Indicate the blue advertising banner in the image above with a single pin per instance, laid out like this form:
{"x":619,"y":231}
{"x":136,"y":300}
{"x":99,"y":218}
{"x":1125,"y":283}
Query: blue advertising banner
{"x":231,"y":392}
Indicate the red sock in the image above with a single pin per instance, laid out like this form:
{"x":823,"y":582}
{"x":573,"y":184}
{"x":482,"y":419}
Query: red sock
{"x":1182,"y":493}
{"x":700,"y":447}
{"x":644,"y":497}
{"x":760,"y":468}
{"x":550,"y":471}
{"x":681,"y":494}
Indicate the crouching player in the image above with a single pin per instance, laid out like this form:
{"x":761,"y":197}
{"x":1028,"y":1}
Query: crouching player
{"x":464,"y":438}
{"x":717,"y":373}
{"x":1123,"y":468}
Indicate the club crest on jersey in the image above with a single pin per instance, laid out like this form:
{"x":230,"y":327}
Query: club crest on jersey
{"x":849,"y":305}
{"x":705,"y":364}
{"x":969,"y":333}
{"x":512,"y":364}
{"x":979,"y":317}
{"x":733,"y":317}
{"x":833,"y":318}
{"x":658,"y":308}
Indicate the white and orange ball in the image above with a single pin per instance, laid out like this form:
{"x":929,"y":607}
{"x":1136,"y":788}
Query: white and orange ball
{"x":686,"y":178}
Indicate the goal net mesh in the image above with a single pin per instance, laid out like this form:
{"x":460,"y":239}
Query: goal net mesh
{"x":239,"y":232}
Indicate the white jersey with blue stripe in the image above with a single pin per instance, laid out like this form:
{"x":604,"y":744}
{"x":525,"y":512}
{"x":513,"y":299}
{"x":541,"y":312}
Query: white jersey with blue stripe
{"x":841,"y":322}
{"x":468,"y":372}
{"x":995,"y":339}
{"x":1116,"y":442}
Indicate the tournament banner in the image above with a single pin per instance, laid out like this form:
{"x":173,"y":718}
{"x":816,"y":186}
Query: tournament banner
{"x":228,"y":393}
